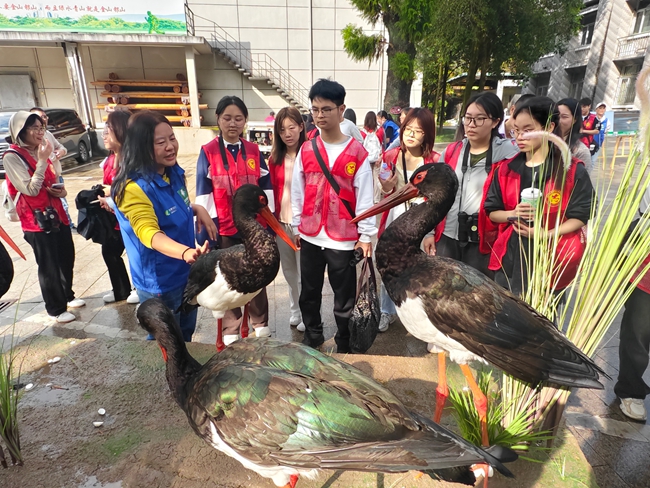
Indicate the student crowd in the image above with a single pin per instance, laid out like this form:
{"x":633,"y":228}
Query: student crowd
{"x":321,"y":173}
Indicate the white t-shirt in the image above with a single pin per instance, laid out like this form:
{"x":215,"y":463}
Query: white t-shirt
{"x":349,"y":129}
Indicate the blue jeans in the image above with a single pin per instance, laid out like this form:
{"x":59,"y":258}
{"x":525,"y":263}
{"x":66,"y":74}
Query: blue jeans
{"x":173,"y":299}
{"x":387,"y":305}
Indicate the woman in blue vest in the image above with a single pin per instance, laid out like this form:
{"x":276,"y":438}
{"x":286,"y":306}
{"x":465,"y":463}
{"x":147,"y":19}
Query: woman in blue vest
{"x":155,"y":214}
{"x":224,"y":164}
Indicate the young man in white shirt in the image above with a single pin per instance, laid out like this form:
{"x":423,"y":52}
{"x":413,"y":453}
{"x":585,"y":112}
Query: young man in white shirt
{"x":321,"y":217}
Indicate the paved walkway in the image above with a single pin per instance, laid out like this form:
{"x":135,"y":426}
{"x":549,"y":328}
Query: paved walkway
{"x":618,"y":450}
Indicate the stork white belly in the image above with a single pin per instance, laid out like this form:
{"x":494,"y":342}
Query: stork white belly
{"x":279,"y":474}
{"x":415,"y":319}
{"x":220,"y":297}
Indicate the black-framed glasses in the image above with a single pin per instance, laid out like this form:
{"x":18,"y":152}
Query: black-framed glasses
{"x":413,"y":132}
{"x":325,"y":111}
{"x":477,"y":121}
{"x":514,"y":133}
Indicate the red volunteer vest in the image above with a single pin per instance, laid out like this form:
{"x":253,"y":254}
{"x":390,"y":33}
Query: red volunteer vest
{"x":452,"y":154}
{"x":390,"y":158}
{"x":322,"y":206}
{"x":26,"y":204}
{"x":109,"y":169}
{"x":226,"y":181}
{"x":588,"y":124}
{"x":570,"y":247}
{"x":277,"y":182}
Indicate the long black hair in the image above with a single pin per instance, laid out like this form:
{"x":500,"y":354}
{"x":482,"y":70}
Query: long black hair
{"x":229,"y":100}
{"x":118,"y":122}
{"x":279,"y":148}
{"x":574,"y":107}
{"x":350,"y":115}
{"x":492,"y":106}
{"x":138,"y":158}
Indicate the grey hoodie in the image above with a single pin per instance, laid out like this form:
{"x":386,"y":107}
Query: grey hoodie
{"x":475,"y":178}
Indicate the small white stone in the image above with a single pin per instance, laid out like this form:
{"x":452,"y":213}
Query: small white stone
{"x":29,"y":386}
{"x":98,"y":424}
{"x":72,"y":343}
{"x":101,"y":411}
{"x":49,"y":384}
{"x":54,"y":360}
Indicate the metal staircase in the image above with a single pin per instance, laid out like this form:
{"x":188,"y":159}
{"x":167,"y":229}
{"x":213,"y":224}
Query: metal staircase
{"x":256,"y":66}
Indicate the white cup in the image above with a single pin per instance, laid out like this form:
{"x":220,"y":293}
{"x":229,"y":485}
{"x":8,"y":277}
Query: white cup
{"x":531,"y":196}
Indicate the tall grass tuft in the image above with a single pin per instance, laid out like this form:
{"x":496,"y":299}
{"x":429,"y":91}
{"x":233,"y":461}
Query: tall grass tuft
{"x":607,"y":275}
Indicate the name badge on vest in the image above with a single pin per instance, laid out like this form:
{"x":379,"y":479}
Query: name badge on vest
{"x":186,"y":198}
{"x":170,"y":211}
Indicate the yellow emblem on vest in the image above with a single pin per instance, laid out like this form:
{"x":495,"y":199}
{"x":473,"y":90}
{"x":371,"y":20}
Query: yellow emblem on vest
{"x":554,"y":197}
{"x":350,"y":167}
{"x":251,"y":163}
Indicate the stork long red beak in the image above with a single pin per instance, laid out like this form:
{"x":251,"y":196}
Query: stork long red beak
{"x":407,"y":192}
{"x":11,"y":243}
{"x":277,"y":227}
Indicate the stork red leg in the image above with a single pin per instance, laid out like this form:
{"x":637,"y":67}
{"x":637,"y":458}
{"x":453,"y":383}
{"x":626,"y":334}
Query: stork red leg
{"x":220,"y":345}
{"x":244,"y":323}
{"x":442,"y":392}
{"x":293,"y":479}
{"x":480,"y":400}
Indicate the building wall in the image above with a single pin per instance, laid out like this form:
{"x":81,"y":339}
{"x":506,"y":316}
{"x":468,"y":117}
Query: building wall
{"x":281,"y":28}
{"x":599,"y":63}
{"x":47,"y":69}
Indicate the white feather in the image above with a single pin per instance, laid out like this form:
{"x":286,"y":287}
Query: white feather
{"x":220,"y":297}
{"x":279,"y":474}
{"x":415,"y":319}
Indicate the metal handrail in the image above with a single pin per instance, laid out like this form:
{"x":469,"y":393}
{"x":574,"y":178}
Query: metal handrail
{"x":254,"y":64}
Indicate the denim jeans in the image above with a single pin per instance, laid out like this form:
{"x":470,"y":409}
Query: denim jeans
{"x":173,"y":299}
{"x":387,"y":305}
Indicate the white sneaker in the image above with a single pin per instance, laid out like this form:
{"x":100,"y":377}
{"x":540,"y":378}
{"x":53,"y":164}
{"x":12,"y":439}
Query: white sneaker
{"x":295,"y":320}
{"x":230,"y":338}
{"x":300,"y":327}
{"x":76,"y":303}
{"x":108,"y":298}
{"x":634,"y":408}
{"x":64,"y":318}
{"x":385,"y":320}
{"x":263,"y":332}
{"x":133,"y":298}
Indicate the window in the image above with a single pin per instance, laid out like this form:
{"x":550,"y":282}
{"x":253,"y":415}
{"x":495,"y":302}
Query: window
{"x":542,"y":82}
{"x":575,"y":90}
{"x":586,"y":34}
{"x":642,"y":23}
{"x":626,"y":84}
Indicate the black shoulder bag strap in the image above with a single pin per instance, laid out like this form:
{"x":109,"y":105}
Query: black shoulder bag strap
{"x":330,"y":178}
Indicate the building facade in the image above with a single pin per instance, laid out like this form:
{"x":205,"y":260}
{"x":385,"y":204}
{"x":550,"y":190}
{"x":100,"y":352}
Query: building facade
{"x":602,"y":62}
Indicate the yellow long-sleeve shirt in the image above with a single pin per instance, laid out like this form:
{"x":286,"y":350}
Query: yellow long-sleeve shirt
{"x":138,"y":209}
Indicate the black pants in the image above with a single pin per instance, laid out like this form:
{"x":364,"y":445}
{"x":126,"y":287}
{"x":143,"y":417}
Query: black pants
{"x":112,"y":251}
{"x":634,"y":347}
{"x":468,"y":254}
{"x":342,"y":278}
{"x":54,"y":254}
{"x":6,"y":270}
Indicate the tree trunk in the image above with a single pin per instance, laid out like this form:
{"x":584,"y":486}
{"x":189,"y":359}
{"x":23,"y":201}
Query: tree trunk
{"x":471,"y":77}
{"x":398,"y":91}
{"x":443,"y":93}
{"x":485,"y":62}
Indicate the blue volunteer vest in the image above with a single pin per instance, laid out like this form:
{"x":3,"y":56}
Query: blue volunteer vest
{"x":152,"y":271}
{"x":390,"y":123}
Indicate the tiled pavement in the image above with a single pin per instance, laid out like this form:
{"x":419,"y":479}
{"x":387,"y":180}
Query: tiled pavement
{"x":618,"y":450}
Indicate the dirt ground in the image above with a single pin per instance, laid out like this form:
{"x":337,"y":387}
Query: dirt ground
{"x":145,"y":440}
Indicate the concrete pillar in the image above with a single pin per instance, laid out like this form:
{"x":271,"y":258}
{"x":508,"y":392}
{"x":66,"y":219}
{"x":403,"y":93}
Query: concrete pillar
{"x":77,"y":79}
{"x":193,"y":86}
{"x":500,"y":86}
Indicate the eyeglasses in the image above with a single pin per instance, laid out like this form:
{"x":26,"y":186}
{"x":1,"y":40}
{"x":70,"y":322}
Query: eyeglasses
{"x":37,"y":128}
{"x":413,"y":132}
{"x":478,"y":121}
{"x":514,"y":133}
{"x":325,"y":111}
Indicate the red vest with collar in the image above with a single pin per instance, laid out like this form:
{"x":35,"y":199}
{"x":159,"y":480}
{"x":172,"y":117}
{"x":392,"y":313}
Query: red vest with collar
{"x":322,"y":207}
{"x":26,"y":204}
{"x":588,"y":123}
{"x":390,"y":158}
{"x":570,"y":246}
{"x":226,"y":181}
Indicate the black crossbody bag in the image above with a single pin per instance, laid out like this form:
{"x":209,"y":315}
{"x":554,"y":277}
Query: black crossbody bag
{"x":330,"y":178}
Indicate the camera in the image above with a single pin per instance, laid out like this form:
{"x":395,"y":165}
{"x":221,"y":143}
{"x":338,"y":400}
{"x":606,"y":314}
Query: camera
{"x":467,"y":228}
{"x":47,"y":220}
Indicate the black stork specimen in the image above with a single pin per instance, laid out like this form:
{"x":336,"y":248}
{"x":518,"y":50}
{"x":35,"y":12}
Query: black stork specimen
{"x":458,"y":310}
{"x":230,"y":278}
{"x":286,"y":410}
